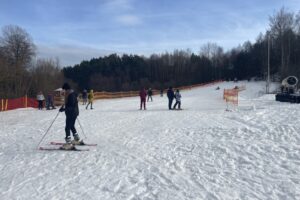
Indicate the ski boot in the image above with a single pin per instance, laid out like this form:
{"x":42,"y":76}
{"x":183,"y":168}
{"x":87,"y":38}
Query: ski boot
{"x":77,"y":140}
{"x":68,"y":145}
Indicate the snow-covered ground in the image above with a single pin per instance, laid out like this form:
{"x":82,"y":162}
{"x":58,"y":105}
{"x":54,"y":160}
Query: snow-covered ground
{"x":201,"y":152}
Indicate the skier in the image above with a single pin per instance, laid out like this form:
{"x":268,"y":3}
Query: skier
{"x":170,"y":94}
{"x":161,"y":92}
{"x":178,"y":100}
{"x":40,"y":98}
{"x":91,"y":99}
{"x":50,"y":101}
{"x":84,"y":97}
{"x":149,"y":92}
{"x":71,"y":110}
{"x":143,"y":95}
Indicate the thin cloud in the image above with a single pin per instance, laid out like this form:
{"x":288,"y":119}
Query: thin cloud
{"x":129,"y":20}
{"x":70,"y":54}
{"x":113,"y":5}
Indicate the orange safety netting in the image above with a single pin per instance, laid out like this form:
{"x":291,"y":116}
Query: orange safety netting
{"x":23,"y":102}
{"x":231,"y":95}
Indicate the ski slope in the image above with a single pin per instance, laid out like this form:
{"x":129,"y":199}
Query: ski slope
{"x":201,"y":152}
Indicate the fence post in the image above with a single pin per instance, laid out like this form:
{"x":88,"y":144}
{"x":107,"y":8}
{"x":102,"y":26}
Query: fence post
{"x":26,"y":101}
{"x":6,"y":104}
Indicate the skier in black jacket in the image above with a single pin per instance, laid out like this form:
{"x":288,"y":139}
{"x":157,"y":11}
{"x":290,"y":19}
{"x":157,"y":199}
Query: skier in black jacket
{"x":71,"y":110}
{"x":170,"y":94}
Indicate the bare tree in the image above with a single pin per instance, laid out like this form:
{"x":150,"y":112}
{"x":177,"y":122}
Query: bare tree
{"x":281,"y":25}
{"x":297,"y":23}
{"x":46,"y":76}
{"x":17,"y":51}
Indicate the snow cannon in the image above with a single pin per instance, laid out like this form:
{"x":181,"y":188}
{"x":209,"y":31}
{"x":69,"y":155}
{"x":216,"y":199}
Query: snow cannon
{"x":289,"y":84}
{"x":288,"y":90}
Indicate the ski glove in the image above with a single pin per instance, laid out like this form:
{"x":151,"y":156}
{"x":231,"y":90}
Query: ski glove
{"x":62,"y":109}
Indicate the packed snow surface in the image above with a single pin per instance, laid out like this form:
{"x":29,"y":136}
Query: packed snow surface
{"x":200,"y":152}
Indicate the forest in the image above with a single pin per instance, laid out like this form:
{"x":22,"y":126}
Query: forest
{"x":279,"y":48}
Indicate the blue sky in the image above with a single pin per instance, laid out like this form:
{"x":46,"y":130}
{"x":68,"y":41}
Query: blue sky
{"x":73,"y":30}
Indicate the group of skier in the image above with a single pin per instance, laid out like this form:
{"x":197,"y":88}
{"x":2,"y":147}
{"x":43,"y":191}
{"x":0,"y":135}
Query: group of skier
{"x":49,"y":101}
{"x":70,"y":107}
{"x":87,"y":97}
{"x":170,"y":94}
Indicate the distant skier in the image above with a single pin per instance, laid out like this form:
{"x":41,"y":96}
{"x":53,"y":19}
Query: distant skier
{"x":84,"y":97}
{"x":149,"y":92}
{"x":170,"y":94}
{"x":40,"y":98}
{"x":161,"y":92}
{"x":71,"y":110}
{"x":50,"y":101}
{"x":91,"y":99}
{"x":178,"y":100}
{"x":143,"y":95}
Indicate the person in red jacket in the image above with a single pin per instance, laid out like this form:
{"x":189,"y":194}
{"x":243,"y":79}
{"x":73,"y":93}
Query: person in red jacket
{"x":143,"y":95}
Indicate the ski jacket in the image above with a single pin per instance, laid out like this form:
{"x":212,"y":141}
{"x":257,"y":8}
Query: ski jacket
{"x":84,"y":95}
{"x":91,"y":96}
{"x":170,"y":94}
{"x":149,"y":92}
{"x":178,"y":96}
{"x":71,"y":104}
{"x":49,"y":98}
{"x":40,"y":97}
{"x":143,"y":94}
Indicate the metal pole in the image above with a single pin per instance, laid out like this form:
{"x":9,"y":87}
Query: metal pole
{"x":268,"y":76}
{"x":48,"y":130}
{"x":81,"y":128}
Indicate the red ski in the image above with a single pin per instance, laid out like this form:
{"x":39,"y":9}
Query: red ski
{"x":61,"y":149}
{"x":80,"y":144}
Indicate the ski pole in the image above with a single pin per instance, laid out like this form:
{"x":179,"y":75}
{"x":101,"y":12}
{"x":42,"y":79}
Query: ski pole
{"x":81,"y":128}
{"x":48,"y":130}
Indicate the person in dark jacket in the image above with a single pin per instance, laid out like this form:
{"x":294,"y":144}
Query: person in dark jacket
{"x":161,"y":92}
{"x":50,"y":101}
{"x":71,"y":110}
{"x":143,"y":95}
{"x":149,"y":92}
{"x":84,"y":97}
{"x":170,"y":94}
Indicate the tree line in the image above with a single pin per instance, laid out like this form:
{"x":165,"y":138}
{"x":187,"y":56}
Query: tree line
{"x":22,"y":73}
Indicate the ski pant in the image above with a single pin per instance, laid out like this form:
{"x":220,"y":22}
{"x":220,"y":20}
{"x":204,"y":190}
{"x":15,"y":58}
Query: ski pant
{"x":170,"y":103}
{"x":50,"y":104}
{"x":143,"y":102}
{"x":89,"y":104}
{"x":40,"y":104}
{"x":70,"y":125}
{"x":177,"y":103}
{"x":149,"y":97}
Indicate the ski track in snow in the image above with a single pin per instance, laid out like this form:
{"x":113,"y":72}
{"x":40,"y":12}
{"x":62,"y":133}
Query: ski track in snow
{"x":201,"y":152}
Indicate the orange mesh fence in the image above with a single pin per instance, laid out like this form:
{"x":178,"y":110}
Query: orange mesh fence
{"x":23,"y":102}
{"x":110,"y":95}
{"x":231,"y":95}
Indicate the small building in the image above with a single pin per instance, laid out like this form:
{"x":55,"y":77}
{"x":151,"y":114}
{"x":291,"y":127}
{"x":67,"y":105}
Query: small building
{"x":59,"y":97}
